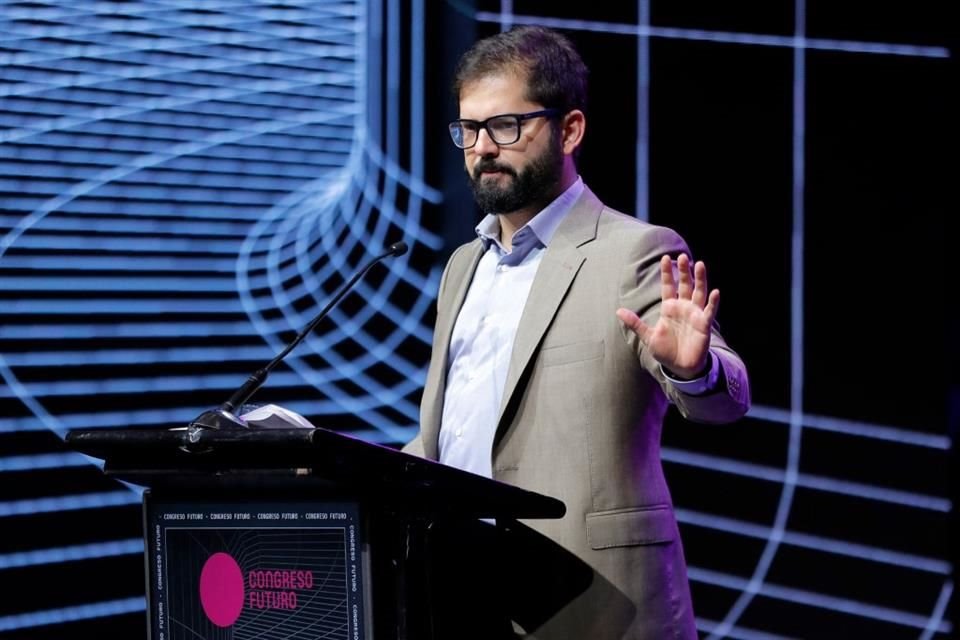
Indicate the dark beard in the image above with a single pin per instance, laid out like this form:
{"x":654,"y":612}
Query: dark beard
{"x":533,"y":187}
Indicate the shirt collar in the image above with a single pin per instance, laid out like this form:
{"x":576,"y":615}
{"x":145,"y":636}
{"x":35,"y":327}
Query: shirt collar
{"x":542,"y":226}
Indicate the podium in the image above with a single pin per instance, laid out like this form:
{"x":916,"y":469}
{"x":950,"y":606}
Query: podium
{"x":294,"y":533}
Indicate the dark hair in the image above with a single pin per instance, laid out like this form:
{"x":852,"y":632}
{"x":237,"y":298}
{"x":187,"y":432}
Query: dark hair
{"x":556,"y":75}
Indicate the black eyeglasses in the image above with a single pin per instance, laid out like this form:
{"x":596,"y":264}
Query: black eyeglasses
{"x":502,"y":129}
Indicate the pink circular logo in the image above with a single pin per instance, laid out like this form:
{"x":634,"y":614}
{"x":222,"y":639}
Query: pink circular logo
{"x":221,"y":589}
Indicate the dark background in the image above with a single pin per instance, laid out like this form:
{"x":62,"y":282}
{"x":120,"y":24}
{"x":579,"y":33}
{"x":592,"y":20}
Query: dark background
{"x":803,"y":149}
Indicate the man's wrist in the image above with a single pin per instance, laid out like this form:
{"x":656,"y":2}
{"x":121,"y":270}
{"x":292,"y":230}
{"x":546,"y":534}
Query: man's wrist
{"x":704,"y":371}
{"x":703,"y":383}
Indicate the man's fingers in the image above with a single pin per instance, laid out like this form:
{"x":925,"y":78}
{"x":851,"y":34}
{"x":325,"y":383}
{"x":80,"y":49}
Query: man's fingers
{"x":633,"y":322}
{"x":668,"y":288}
{"x":711,"y":309}
{"x":685,"y":289}
{"x":699,"y":296}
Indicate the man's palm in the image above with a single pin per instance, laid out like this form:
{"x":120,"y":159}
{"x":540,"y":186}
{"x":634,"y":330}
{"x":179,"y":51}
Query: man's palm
{"x":680,"y":340}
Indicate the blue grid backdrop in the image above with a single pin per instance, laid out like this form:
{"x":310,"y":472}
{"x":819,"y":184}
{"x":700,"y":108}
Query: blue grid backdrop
{"x":184,"y":184}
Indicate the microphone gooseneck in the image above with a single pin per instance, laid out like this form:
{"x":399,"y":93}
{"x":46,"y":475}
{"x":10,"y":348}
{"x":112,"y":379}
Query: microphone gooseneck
{"x":225,"y":414}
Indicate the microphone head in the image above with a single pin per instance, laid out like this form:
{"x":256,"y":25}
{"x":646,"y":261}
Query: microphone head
{"x":397,"y":248}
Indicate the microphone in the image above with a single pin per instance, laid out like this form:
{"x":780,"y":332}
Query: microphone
{"x":224,"y":416}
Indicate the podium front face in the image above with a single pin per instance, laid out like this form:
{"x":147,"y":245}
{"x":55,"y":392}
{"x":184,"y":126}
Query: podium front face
{"x":231,"y":568}
{"x":276,"y":533}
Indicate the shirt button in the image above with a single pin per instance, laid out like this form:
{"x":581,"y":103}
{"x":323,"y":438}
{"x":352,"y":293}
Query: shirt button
{"x":459,"y":432}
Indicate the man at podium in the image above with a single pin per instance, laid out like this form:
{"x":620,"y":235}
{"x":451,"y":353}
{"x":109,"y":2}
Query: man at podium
{"x":564,"y":331}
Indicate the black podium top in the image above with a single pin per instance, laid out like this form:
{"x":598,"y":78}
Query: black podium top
{"x":304,"y":461}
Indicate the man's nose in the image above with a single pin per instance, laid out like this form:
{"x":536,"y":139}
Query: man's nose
{"x":485,"y":145}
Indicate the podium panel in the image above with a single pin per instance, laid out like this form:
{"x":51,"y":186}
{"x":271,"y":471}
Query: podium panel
{"x":232,"y":568}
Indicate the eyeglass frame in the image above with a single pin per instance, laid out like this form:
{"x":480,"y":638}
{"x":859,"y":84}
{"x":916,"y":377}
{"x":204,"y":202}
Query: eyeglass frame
{"x":483,"y":124}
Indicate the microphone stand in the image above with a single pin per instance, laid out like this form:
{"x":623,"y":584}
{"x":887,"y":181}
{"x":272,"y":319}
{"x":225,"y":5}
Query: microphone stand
{"x":224,"y":416}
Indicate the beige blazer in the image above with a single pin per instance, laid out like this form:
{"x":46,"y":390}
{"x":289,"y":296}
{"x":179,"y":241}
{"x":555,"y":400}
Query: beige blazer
{"x":582,"y":414}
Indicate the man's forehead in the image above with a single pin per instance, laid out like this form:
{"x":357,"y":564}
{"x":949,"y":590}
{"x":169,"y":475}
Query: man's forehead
{"x":498,"y":80}
{"x":489,"y":91}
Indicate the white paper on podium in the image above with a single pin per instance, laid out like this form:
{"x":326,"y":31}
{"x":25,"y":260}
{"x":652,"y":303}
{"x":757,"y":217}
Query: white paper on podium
{"x":272,"y":416}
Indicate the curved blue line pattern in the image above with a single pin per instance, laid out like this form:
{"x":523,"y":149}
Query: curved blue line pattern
{"x":212,"y":166}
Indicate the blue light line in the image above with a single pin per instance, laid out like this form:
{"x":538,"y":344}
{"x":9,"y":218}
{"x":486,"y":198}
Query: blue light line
{"x":853,"y":428}
{"x":822,"y":44}
{"x":174,"y":207}
{"x":739,"y":633}
{"x":807,"y":481}
{"x":935,"y":623}
{"x":642,"y":204}
{"x":128,"y":244}
{"x":107,"y":284}
{"x":72,"y":614}
{"x":13,"y":508}
{"x":816,"y":543}
{"x":42,"y":263}
{"x":40,"y":461}
{"x":372,"y":61}
{"x":85,"y":331}
{"x":762,"y":568}
{"x":418,"y":40}
{"x":417,"y":142}
{"x":177,"y":355}
{"x":71,"y":553}
{"x":393,"y":82}
{"x":153,"y":384}
{"x":816,"y":600}
{"x":71,"y":307}
{"x":387,"y":209}
{"x":506,"y":15}
{"x":869,"y":492}
{"x":90,"y":224}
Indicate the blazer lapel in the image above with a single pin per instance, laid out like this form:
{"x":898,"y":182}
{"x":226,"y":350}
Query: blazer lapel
{"x":460,"y":276}
{"x":560,"y":264}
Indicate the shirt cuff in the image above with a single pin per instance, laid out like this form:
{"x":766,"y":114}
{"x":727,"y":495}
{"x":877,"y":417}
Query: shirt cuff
{"x":697,"y":386}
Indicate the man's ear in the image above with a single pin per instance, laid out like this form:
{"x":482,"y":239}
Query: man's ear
{"x":572,"y":129}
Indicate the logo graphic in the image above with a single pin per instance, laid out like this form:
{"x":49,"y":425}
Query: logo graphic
{"x":221,"y":589}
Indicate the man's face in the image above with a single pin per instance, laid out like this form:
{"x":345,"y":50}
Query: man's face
{"x":517,"y":176}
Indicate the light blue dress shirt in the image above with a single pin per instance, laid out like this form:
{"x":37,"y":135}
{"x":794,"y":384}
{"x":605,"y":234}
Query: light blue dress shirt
{"x":483,"y":336}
